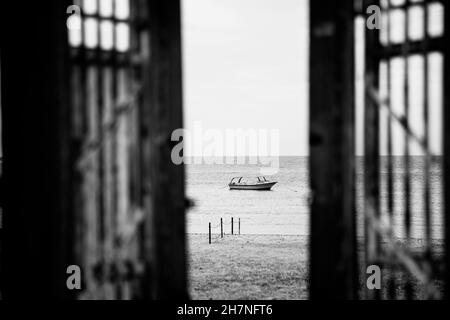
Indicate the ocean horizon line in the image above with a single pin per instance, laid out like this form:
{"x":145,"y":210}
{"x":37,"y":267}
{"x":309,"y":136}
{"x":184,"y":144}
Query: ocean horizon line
{"x":302,"y":156}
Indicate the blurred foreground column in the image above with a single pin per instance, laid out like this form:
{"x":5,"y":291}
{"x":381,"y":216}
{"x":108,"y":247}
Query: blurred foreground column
{"x":37,"y":216}
{"x":333,"y":255}
{"x":163,"y":180}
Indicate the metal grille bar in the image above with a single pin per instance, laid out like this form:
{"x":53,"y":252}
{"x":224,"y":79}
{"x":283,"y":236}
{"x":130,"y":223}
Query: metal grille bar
{"x":381,"y":240}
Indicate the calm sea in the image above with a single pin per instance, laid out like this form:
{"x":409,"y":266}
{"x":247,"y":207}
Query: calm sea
{"x":285,"y":210}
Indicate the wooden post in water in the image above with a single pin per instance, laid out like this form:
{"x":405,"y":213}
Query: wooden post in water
{"x":221,"y":228}
{"x":231,"y":225}
{"x":239,"y":228}
{"x":210,"y":233}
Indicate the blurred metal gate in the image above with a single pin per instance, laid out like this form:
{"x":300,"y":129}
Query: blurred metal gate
{"x":88,"y":123}
{"x":106,"y":97}
{"x":130,"y":196}
{"x":340,"y":252}
{"x":397,"y":117}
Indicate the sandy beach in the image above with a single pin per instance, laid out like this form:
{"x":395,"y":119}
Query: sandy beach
{"x":266,"y":267}
{"x":248,"y":267}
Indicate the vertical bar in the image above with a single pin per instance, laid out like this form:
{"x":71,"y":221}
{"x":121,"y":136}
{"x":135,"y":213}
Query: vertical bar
{"x":139,"y":47}
{"x":332,"y":150}
{"x":82,"y":231}
{"x":1,"y":185}
{"x":134,"y":75}
{"x":446,"y":135}
{"x":239,"y":226}
{"x":407,"y":178}
{"x":100,"y":156}
{"x":161,"y":114}
{"x":114,"y":150}
{"x":77,"y":133}
{"x":108,"y":219}
{"x":390,"y":178}
{"x":232,"y":225}
{"x":83,"y":53}
{"x":371,"y":147}
{"x":426,"y":138}
{"x":221,"y":227}
{"x":209,"y":232}
{"x":80,"y":132}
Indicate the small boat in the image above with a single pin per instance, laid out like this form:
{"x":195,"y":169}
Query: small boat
{"x":262,"y":184}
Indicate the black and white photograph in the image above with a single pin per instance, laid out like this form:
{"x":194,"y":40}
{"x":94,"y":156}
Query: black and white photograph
{"x":224,"y":154}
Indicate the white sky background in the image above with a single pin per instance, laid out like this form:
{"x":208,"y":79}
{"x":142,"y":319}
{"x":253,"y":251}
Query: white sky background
{"x":245,"y":65}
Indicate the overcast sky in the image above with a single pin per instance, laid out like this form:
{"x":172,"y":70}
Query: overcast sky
{"x":245,"y":66}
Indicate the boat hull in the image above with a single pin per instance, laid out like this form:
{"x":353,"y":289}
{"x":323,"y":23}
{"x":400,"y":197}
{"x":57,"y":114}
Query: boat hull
{"x":257,"y":187}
